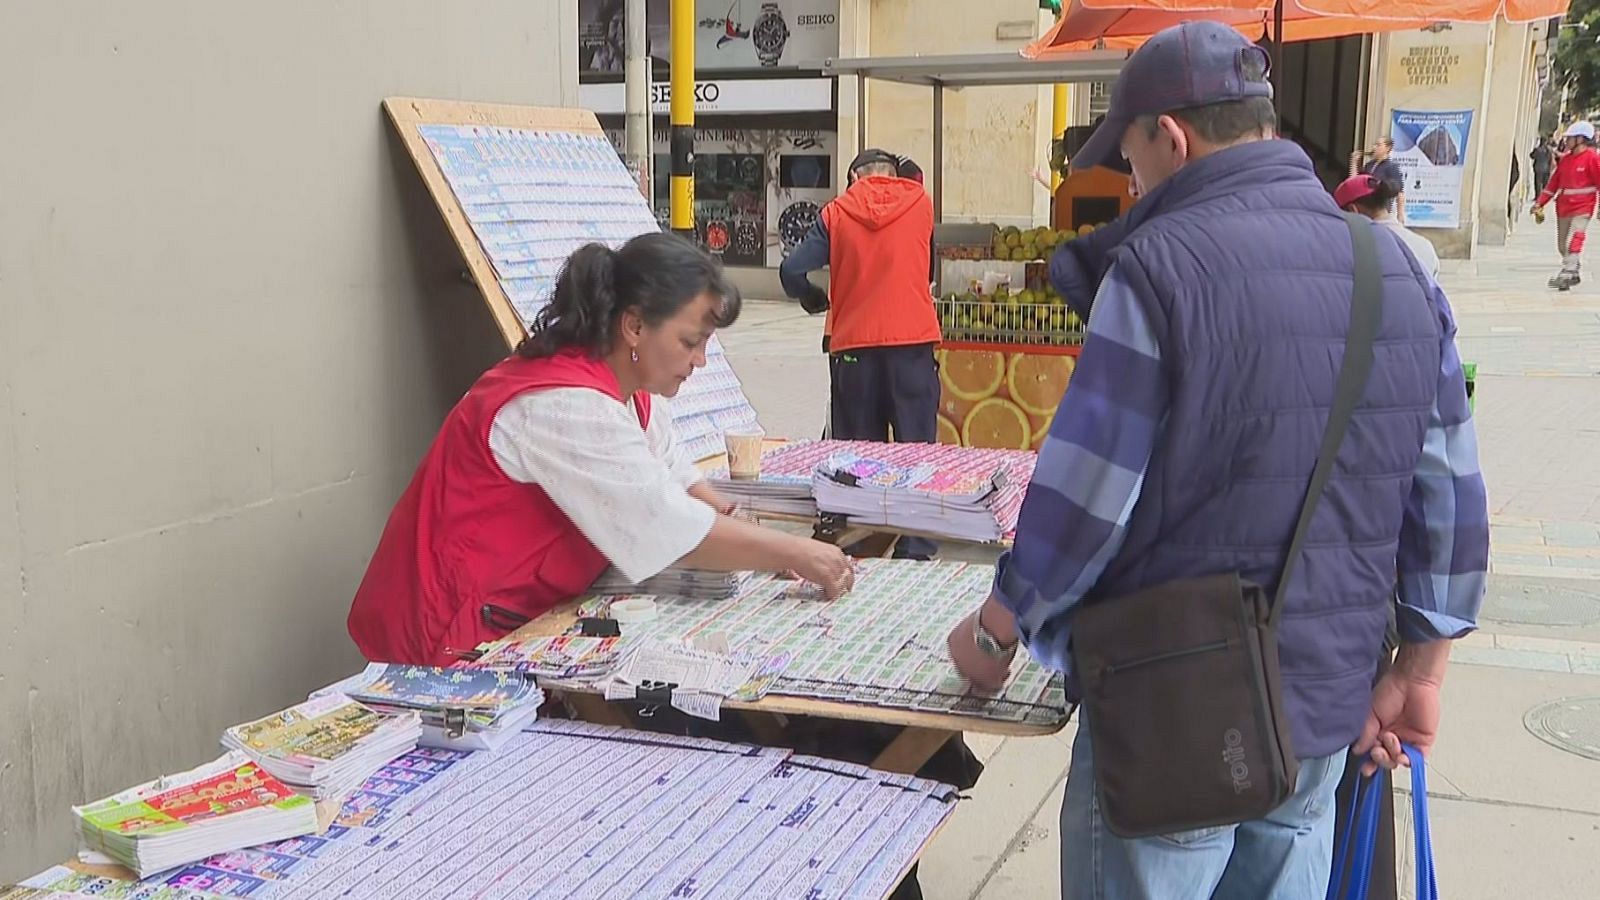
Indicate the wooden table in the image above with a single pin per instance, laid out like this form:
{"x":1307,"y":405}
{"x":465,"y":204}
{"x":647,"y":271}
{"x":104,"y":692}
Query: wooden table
{"x":920,"y":734}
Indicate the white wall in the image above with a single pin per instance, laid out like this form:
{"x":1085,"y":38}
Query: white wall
{"x":230,"y":321}
{"x":993,"y":136}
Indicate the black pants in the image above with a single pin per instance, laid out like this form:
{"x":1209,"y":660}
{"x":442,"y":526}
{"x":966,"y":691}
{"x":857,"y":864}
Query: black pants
{"x":876,"y":389}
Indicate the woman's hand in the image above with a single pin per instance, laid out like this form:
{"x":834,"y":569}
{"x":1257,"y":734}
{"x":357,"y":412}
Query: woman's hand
{"x":706,"y":494}
{"x":823,"y":565}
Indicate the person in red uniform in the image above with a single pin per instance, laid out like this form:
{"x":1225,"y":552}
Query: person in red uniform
{"x":876,"y":240}
{"x":561,"y":460}
{"x":1573,"y":186}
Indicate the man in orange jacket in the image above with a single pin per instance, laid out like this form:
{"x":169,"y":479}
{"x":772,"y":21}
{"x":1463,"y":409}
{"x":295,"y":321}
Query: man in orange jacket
{"x":1573,"y":186}
{"x":876,"y":240}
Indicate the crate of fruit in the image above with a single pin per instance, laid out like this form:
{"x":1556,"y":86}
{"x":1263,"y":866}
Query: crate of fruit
{"x":1032,"y":315}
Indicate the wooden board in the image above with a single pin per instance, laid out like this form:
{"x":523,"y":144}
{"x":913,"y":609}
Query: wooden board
{"x":407,"y":113}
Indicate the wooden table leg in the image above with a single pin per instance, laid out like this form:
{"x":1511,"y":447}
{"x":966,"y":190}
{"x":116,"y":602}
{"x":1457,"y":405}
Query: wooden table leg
{"x":595,"y":708}
{"x":911,"y":749}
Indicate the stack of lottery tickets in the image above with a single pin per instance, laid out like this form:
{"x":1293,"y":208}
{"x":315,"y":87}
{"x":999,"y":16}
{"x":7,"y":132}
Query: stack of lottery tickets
{"x":673,"y":581}
{"x":461,"y":708}
{"x":564,"y":657}
{"x":328,"y":746}
{"x":929,"y":495}
{"x":789,"y":471}
{"x":226,"y":804}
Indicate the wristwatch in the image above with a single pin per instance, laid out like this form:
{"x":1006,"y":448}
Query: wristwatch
{"x":988,"y":644}
{"x":769,"y":34}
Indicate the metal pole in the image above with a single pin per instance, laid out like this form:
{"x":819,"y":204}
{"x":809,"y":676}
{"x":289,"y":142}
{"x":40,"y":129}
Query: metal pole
{"x":861,"y":113}
{"x":1060,"y":100}
{"x":636,"y":142}
{"x":1277,"y":58}
{"x":938,"y":152}
{"x":682,"y":209}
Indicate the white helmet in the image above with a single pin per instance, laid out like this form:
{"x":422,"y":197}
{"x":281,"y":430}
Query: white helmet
{"x":1583,"y":130}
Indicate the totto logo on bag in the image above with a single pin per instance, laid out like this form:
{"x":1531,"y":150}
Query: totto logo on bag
{"x":1233,"y":755}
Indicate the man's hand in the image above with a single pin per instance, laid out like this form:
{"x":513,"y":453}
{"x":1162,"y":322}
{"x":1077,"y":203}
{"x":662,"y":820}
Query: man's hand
{"x":1405,"y":706}
{"x":987,"y":673}
{"x":815,"y":301}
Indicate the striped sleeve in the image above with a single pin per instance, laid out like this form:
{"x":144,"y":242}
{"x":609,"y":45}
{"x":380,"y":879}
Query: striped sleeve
{"x":1444,"y":538}
{"x":1089,"y":473}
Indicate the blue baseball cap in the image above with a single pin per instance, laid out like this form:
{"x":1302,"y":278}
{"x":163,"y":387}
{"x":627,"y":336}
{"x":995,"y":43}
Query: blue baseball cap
{"x":1194,"y":64}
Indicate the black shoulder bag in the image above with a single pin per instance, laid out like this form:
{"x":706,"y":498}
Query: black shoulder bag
{"x":1180,"y":682}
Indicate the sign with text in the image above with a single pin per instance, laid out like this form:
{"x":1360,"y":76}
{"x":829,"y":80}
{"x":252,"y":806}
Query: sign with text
{"x":748,"y":95}
{"x":1431,"y":148}
{"x":730,"y":35}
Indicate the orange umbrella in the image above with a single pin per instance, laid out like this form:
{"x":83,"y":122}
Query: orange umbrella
{"x":1085,"y":27}
{"x":1125,"y":24}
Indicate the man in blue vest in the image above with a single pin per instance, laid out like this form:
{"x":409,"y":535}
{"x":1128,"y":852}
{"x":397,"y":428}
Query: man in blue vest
{"x":1185,"y":443}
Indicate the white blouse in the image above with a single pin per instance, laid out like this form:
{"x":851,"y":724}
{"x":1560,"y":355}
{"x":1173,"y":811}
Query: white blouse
{"x":623,"y":486}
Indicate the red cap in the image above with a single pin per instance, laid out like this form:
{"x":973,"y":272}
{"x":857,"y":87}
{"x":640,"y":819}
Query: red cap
{"x":1354,"y":188}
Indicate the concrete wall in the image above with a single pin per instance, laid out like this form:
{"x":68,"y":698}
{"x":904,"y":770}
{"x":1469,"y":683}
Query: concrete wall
{"x":993,"y":136}
{"x":230,"y":321}
{"x":1509,"y":67}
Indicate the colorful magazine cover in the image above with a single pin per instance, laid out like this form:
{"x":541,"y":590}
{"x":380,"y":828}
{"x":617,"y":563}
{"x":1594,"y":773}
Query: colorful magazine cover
{"x":241,"y":786}
{"x":316,"y":731}
{"x":429,"y":687}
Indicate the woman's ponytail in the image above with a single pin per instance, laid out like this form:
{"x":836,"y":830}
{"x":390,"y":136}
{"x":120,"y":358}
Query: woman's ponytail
{"x":655,"y":275}
{"x":582,"y":309}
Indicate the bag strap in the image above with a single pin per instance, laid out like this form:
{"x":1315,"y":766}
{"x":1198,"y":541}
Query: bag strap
{"x":1350,"y":877}
{"x":1427,"y":880}
{"x":1366,"y":312}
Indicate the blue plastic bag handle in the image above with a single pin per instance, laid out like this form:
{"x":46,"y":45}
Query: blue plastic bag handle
{"x":1361,"y":830}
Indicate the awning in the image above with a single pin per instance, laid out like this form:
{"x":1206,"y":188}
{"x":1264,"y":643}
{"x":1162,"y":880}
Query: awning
{"x":1125,"y":24}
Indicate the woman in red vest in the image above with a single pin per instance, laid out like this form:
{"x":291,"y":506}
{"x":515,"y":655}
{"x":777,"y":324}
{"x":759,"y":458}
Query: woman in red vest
{"x":561,"y":459}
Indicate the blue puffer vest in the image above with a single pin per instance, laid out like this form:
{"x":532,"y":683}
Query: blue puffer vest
{"x":1245,"y":266}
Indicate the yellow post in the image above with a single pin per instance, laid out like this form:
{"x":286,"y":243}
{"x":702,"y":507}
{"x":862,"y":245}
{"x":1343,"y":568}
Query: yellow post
{"x":1062,"y":98}
{"x":682,"y":134}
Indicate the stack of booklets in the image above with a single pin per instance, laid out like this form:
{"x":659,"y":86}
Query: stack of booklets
{"x":328,"y":746}
{"x":461,"y":708}
{"x":566,"y":657}
{"x":773,"y":494}
{"x":920,"y":496}
{"x":227,"y":804}
{"x":674,"y":581}
{"x":781,"y":490}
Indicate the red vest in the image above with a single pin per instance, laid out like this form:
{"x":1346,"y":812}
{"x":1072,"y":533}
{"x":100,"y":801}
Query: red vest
{"x":464,"y":535}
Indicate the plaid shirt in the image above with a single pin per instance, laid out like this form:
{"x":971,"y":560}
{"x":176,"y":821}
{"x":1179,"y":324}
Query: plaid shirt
{"x":1092,"y":466}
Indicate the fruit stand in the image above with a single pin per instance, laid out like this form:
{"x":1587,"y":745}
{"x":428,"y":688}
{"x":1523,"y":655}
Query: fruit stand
{"x":1010,"y":342}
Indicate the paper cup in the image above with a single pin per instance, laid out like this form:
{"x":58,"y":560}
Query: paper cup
{"x":744,"y":453}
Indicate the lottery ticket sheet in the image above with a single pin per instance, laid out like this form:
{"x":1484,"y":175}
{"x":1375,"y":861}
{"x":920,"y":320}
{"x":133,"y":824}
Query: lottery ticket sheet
{"x":794,"y":463}
{"x":883,"y":644}
{"x":532,"y":198}
{"x":575,"y":810}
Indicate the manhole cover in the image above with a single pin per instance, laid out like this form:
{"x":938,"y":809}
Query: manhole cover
{"x":1572,"y":725}
{"x":1536,"y":601}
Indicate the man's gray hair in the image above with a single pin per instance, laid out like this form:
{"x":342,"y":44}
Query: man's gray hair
{"x":875,"y":168}
{"x":1231,"y":121}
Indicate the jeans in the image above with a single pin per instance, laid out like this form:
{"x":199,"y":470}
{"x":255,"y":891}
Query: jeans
{"x":1285,"y":856}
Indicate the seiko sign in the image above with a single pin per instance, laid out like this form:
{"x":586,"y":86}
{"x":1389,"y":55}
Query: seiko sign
{"x":734,"y":95}
{"x":815,"y":21}
{"x":705,"y":93}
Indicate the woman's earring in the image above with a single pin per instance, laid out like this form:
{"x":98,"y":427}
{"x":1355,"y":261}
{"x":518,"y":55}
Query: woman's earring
{"x":634,"y":354}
